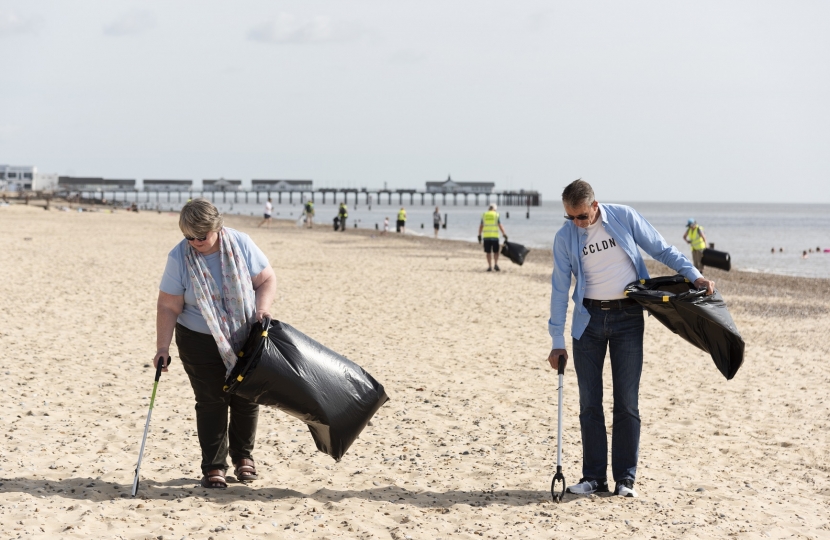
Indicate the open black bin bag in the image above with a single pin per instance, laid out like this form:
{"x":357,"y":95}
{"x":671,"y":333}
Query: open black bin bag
{"x":515,"y":252}
{"x":704,"y":321}
{"x":283,"y":368}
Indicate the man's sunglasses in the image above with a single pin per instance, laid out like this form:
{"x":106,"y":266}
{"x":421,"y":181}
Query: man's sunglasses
{"x":580,"y":217}
{"x":196,"y":238}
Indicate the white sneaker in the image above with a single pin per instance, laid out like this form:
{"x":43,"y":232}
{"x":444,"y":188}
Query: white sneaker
{"x":625,"y":488}
{"x":586,"y":486}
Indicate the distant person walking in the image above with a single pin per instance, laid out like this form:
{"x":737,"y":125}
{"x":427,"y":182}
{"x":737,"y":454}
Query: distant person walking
{"x":343,"y":213}
{"x":267,"y":215}
{"x":385,"y":225}
{"x":694,"y":236}
{"x":309,"y":214}
{"x":400,"y":225}
{"x":488,"y":232}
{"x":436,"y":221}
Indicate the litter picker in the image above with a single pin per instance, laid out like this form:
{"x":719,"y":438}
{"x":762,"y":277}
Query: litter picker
{"x":557,"y":496}
{"x":159,"y":365}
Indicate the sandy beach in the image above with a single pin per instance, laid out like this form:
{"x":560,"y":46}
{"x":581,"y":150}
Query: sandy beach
{"x":466,"y":447}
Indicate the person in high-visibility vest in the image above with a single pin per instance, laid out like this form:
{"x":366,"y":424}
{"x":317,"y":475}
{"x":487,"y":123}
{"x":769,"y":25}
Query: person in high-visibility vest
{"x":343,"y":213}
{"x":488,"y":232}
{"x":400,"y":225}
{"x":309,"y":214}
{"x":694,"y":236}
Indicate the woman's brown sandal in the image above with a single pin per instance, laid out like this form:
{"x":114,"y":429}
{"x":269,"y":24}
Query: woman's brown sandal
{"x":245,"y":470}
{"x":214,"y":479}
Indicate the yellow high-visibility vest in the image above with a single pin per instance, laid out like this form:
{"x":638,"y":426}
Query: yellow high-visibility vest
{"x":343,"y":212}
{"x":698,"y":244}
{"x":402,"y":215}
{"x":490,"y":219}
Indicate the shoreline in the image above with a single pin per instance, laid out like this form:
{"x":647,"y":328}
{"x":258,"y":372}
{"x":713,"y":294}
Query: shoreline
{"x":534,"y":255}
{"x":539,"y":256}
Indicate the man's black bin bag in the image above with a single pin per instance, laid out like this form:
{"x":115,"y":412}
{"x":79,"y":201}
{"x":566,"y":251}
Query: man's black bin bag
{"x":283,"y":368}
{"x":704,"y":321}
{"x":515,"y":252}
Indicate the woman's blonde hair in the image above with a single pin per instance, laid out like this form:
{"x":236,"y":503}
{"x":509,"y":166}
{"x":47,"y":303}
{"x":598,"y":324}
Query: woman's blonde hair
{"x":199,"y":217}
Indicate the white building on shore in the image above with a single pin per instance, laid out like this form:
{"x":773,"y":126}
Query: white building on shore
{"x":26,"y":178}
{"x":17,"y":178}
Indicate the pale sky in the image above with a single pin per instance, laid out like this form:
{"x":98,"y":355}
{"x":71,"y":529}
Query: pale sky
{"x":658,"y":100}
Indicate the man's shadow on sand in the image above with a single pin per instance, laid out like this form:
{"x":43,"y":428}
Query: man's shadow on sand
{"x":95,"y":490}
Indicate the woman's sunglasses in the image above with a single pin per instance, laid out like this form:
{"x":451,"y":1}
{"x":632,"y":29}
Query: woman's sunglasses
{"x":196,"y":238}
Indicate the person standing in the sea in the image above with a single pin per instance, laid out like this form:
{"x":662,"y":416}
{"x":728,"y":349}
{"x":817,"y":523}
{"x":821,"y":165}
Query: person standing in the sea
{"x":436,"y":221}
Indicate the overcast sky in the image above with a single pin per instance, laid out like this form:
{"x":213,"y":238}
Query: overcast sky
{"x":658,"y":100}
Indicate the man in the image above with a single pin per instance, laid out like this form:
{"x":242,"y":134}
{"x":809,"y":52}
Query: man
{"x":436,"y":221}
{"x":488,"y":230}
{"x":343,"y":213}
{"x":600,"y":245}
{"x":309,"y":213}
{"x":267,"y":214}
{"x":400,"y":225}
{"x":694,"y":236}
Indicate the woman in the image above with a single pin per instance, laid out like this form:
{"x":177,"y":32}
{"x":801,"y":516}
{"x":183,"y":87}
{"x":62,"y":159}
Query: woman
{"x":215,"y":284}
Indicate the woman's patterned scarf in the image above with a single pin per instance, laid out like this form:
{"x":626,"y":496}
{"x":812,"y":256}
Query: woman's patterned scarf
{"x":229,"y":314}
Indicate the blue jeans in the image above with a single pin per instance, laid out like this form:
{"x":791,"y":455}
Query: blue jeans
{"x":621,"y":330}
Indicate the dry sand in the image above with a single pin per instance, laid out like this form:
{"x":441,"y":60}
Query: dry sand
{"x":464,"y":449}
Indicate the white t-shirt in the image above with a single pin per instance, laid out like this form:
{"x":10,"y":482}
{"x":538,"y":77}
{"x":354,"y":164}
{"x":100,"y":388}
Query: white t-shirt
{"x":608,"y":269}
{"x":268,"y":207}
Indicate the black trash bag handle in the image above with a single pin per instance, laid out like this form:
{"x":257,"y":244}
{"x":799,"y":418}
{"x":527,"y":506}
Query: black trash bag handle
{"x":694,"y":293}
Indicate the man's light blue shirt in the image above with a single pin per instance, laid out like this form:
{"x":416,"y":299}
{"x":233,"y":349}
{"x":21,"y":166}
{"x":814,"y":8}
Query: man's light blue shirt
{"x":630,"y":230}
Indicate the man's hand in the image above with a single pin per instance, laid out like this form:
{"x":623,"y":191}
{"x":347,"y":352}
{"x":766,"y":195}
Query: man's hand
{"x":702,"y":282}
{"x":479,"y":239}
{"x":553,"y":357}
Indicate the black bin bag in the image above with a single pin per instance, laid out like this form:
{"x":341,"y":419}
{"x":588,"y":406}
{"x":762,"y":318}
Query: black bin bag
{"x":281,"y":367}
{"x":515,"y":252}
{"x":704,"y":321}
{"x":717,"y":259}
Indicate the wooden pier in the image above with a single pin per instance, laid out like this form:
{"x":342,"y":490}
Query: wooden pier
{"x":399,"y":197}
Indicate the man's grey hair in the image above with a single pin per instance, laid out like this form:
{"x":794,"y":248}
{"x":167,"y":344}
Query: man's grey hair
{"x":577,"y":193}
{"x":199,"y":217}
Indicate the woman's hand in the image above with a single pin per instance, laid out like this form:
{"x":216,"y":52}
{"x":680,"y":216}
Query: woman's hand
{"x":263,"y":314}
{"x":161,"y":356}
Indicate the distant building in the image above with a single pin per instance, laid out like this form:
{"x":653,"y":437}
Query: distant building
{"x":282,"y":185}
{"x":451,"y":186}
{"x":16,"y":178}
{"x":168,"y":185}
{"x":75,"y":183}
{"x":45,"y":182}
{"x":221,"y":185}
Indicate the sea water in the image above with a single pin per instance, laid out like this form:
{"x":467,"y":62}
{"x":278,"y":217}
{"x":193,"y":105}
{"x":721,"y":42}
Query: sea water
{"x":768,"y":238}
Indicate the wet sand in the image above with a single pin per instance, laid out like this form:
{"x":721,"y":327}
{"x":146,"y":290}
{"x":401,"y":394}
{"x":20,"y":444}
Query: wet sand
{"x":464,"y":449}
